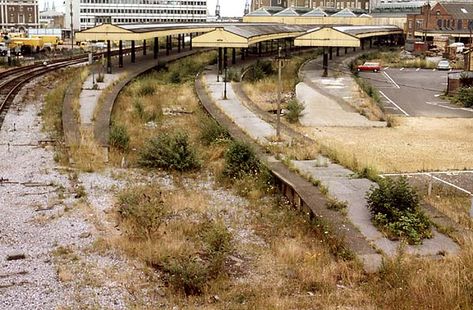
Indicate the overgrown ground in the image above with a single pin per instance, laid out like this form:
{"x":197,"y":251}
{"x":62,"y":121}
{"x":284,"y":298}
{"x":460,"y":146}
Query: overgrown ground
{"x":214,"y":243}
{"x":414,"y":144}
{"x":393,"y":58}
{"x":263,"y":92}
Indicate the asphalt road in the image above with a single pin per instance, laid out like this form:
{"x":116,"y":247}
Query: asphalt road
{"x":415,"y":92}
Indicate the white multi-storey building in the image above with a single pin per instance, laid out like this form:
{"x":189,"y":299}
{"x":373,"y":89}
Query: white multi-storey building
{"x":18,"y":14}
{"x":89,"y":13}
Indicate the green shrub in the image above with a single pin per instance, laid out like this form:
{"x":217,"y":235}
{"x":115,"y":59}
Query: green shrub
{"x":175,"y":77}
{"x":119,"y":137}
{"x":192,"y":274}
{"x":189,"y":275}
{"x":260,"y":70}
{"x":369,"y":89}
{"x":294,"y":110}
{"x":465,"y":96}
{"x":139,"y":108}
{"x":211,"y":131}
{"x":241,"y":160}
{"x":169,"y":151}
{"x":217,"y":242}
{"x":146,"y":89}
{"x":336,"y":205}
{"x":233,"y":75}
{"x":394,"y":206}
{"x":143,"y":210}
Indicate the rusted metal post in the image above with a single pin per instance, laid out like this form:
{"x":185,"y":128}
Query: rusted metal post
{"x":156,"y":48}
{"x":109,"y":57}
{"x":120,"y":54}
{"x":133,"y":51}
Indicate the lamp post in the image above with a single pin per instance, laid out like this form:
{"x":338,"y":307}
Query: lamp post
{"x":72,"y":29}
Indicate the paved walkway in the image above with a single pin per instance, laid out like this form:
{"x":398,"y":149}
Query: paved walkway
{"x":246,"y":120}
{"x":339,"y":181}
{"x":331,"y":101}
{"x":89,"y":97}
{"x":344,"y":187}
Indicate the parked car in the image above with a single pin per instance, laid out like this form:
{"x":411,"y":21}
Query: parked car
{"x":369,"y":66}
{"x":443,"y":65}
{"x":3,"y":49}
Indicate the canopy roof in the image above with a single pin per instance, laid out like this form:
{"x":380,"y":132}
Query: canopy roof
{"x":240,"y":35}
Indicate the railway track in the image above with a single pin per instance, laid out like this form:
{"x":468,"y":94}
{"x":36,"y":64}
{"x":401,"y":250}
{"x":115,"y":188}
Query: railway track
{"x":12,"y":81}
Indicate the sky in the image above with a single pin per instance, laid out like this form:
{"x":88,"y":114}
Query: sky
{"x":228,"y":7}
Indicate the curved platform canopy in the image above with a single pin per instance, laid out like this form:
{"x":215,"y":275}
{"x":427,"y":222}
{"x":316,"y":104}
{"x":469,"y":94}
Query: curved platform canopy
{"x":343,"y":36}
{"x":244,"y":35}
{"x":129,"y":32}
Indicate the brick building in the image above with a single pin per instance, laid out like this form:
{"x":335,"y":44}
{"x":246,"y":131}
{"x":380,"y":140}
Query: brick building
{"x":337,"y":4}
{"x":18,"y":14}
{"x":452,"y":19}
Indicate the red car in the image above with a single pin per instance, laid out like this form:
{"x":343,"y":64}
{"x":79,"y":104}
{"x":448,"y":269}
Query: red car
{"x":369,"y":66}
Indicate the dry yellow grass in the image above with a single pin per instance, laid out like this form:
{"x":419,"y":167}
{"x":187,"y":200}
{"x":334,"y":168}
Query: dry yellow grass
{"x":454,"y":205}
{"x":88,"y":155}
{"x":280,"y":259}
{"x":416,"y":144}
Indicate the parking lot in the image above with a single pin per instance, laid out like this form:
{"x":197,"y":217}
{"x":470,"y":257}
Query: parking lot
{"x":415,"y":92}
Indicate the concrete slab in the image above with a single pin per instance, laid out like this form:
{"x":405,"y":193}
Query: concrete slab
{"x":343,"y":187}
{"x":89,"y":97}
{"x":245,"y":119}
{"x":322,"y":111}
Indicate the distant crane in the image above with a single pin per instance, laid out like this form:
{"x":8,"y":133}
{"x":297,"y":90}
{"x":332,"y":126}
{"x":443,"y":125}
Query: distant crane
{"x":247,"y":7}
{"x":217,"y":10}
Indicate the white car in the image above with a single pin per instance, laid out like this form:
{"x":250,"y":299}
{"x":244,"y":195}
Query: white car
{"x":3,"y":49}
{"x":443,"y":65}
{"x":100,"y":45}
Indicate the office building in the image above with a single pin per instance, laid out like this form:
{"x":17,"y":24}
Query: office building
{"x":90,"y":13}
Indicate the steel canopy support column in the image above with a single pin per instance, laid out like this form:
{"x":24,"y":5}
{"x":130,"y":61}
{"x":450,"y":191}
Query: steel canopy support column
{"x":225,"y":61}
{"x":259,"y":49}
{"x":330,"y":53}
{"x":242,"y":52}
{"x":371,"y":42}
{"x":133,"y":55}
{"x":120,"y":54}
{"x":109,"y":57}
{"x":179,"y":43}
{"x":362,"y":44}
{"x":144,"y":47}
{"x":190,"y":41}
{"x":220,"y":59}
{"x":167,"y":44}
{"x":156,"y":48}
{"x":338,"y":51}
{"x":233,"y":56}
{"x":325,"y":63}
{"x":354,"y":49}
{"x":346,"y":50}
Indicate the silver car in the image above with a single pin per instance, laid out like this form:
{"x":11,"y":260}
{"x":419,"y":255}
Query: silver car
{"x":443,"y":65}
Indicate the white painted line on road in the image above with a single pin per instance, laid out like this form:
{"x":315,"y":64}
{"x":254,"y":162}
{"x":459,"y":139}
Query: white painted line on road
{"x":449,"y":172}
{"x":401,"y":69}
{"x":390,"y":79}
{"x":418,"y":69}
{"x":386,"y":68}
{"x":434,"y":69}
{"x":434,"y":177}
{"x":452,"y":185}
{"x":441,"y":104}
{"x":394,"y":104}
{"x":438,"y":95}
